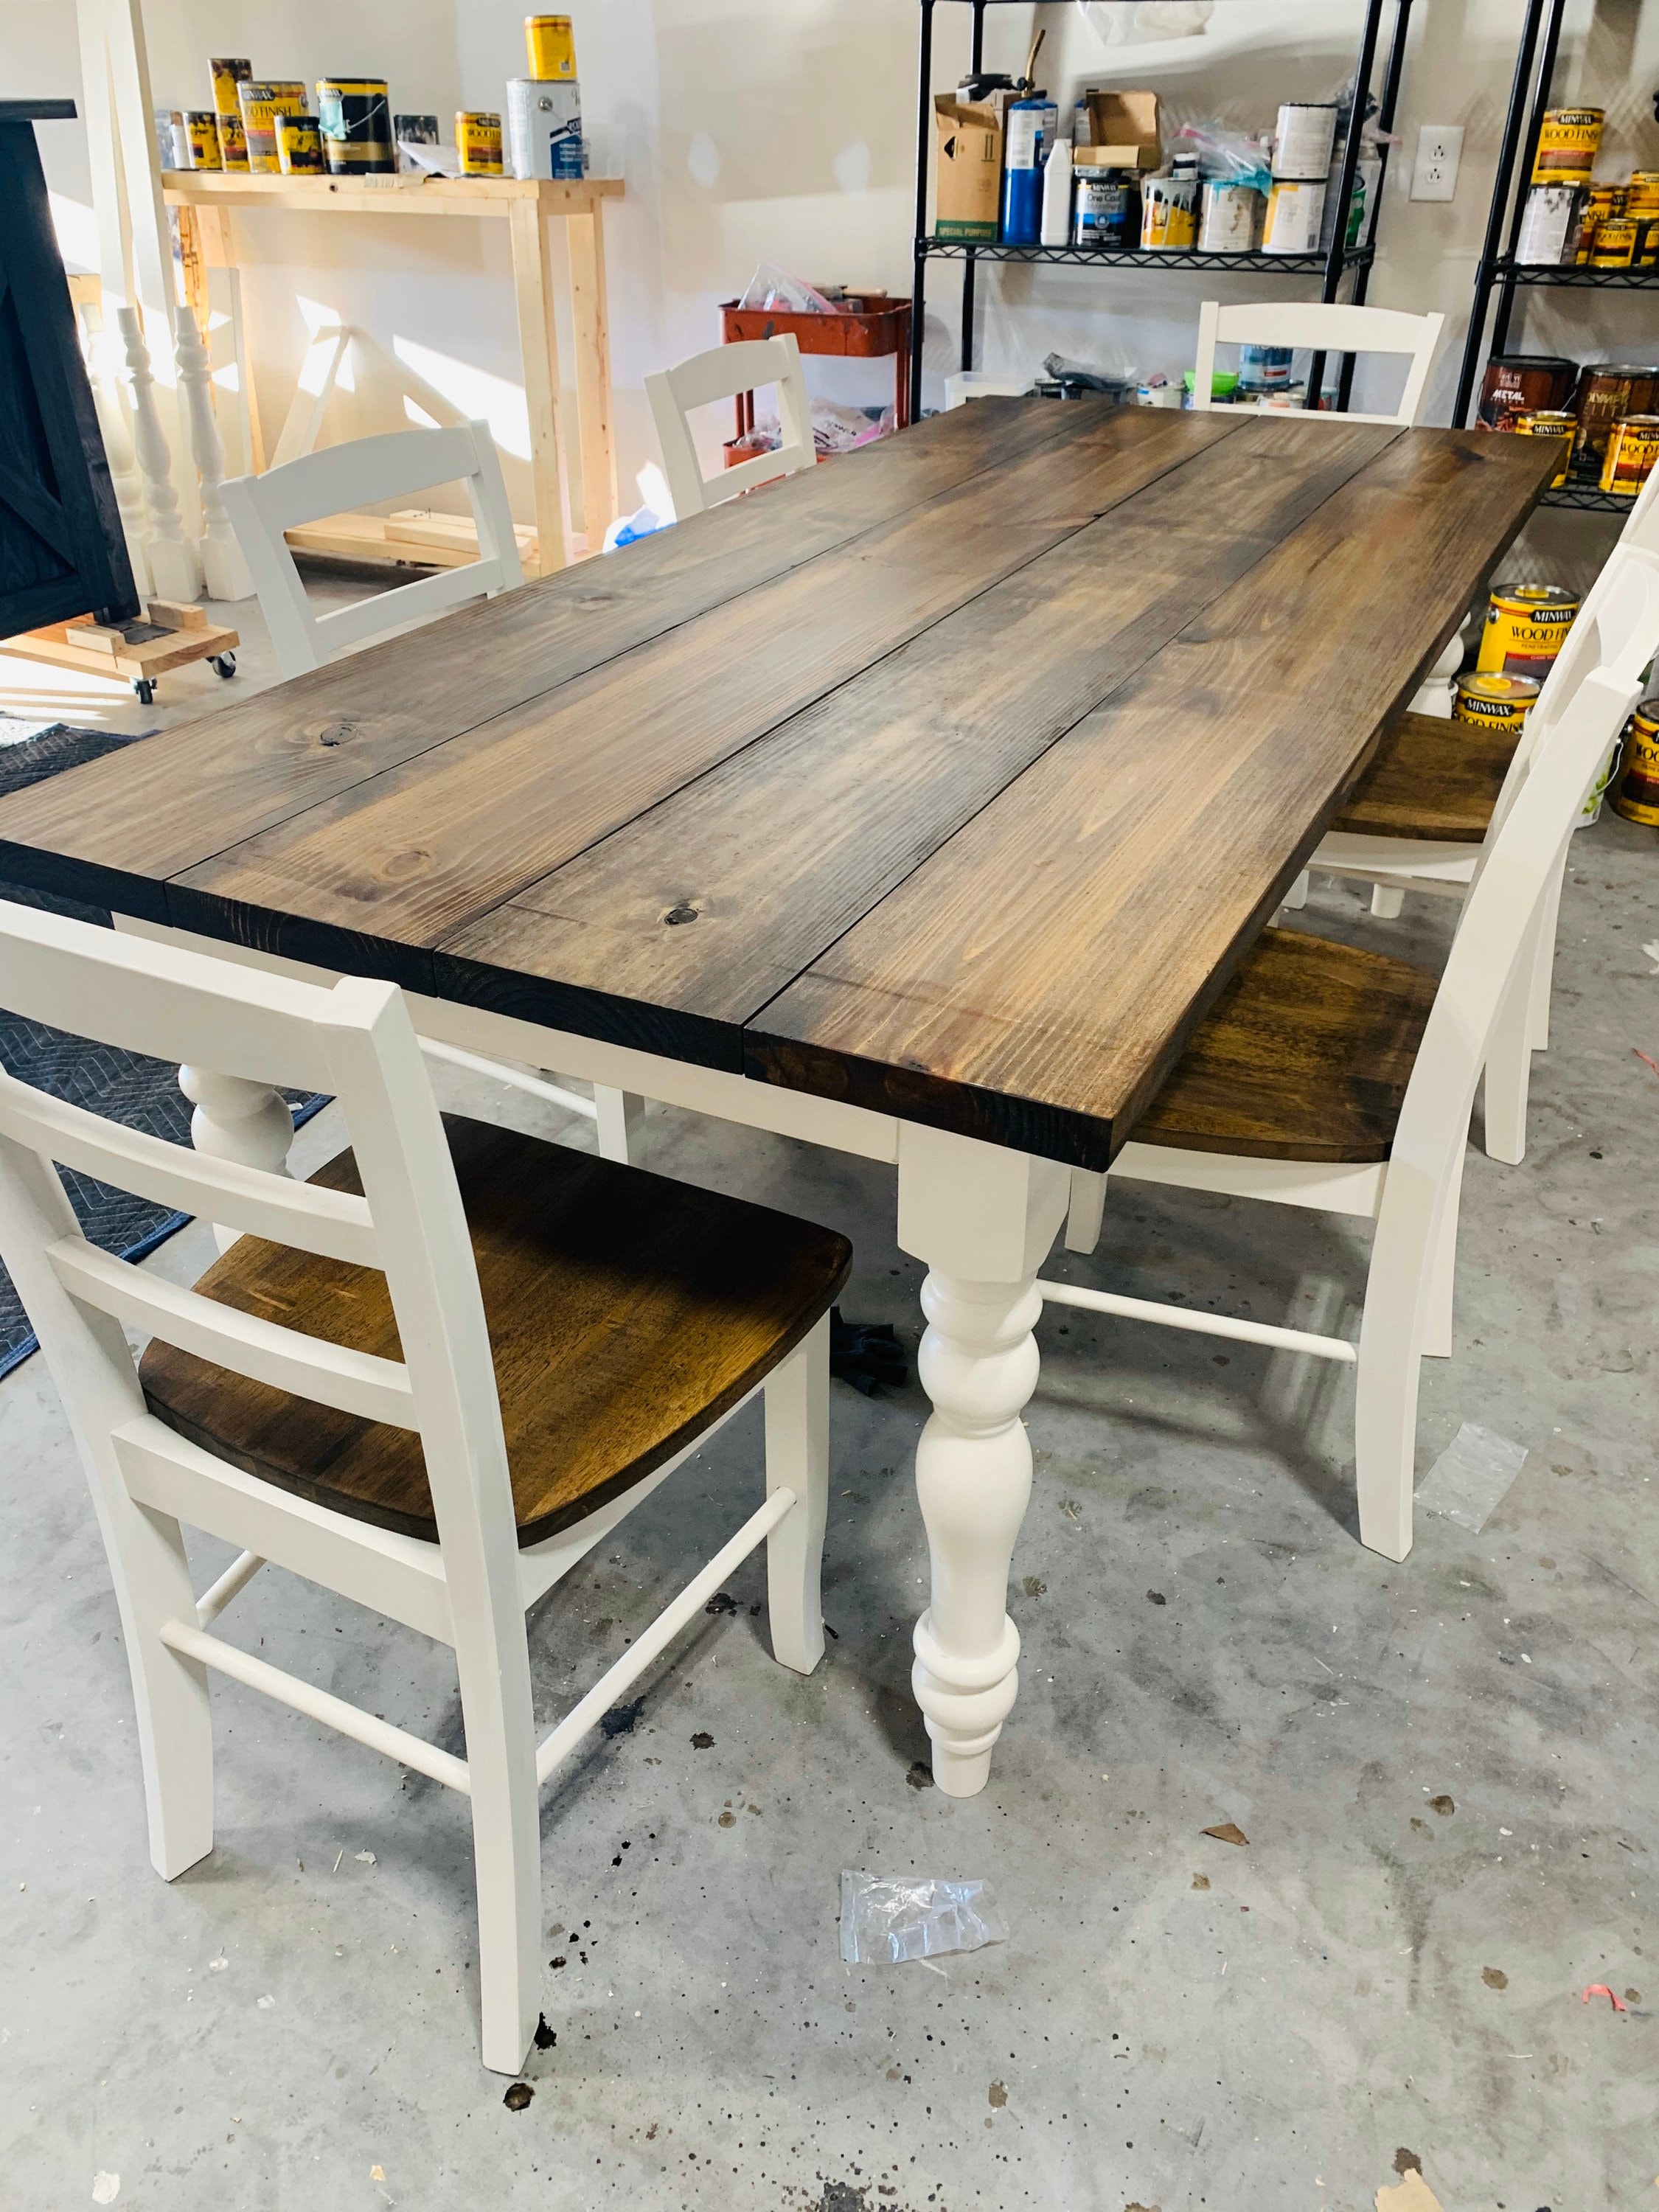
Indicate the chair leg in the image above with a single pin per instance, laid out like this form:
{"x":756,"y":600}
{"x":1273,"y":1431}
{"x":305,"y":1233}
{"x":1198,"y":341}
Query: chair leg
{"x":1509,"y":1061}
{"x":622,"y":1119}
{"x":1297,"y":897}
{"x":1086,"y":1211}
{"x":1386,"y":905}
{"x":170,"y":1692}
{"x":506,"y":1844}
{"x":797,"y":1459}
{"x":1543,"y":963}
{"x":1391,"y":1338}
{"x":1437,"y":1330}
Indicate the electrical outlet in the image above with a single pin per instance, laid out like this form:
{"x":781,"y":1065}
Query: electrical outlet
{"x":1439,"y":149}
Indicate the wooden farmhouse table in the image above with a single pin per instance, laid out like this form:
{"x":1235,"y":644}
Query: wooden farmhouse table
{"x":918,"y":807}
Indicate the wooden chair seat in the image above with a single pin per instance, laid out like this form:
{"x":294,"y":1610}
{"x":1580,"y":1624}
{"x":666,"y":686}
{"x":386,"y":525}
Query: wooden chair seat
{"x":1305,"y":1055}
{"x":626,"y":1313}
{"x":1431,"y":779}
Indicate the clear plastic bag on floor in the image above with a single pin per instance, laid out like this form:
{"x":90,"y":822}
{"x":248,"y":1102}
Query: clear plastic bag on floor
{"x":885,"y":1922}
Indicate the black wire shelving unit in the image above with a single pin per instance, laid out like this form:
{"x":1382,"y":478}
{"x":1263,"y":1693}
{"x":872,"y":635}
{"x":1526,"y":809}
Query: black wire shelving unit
{"x":1330,"y":267}
{"x":1499,"y":273}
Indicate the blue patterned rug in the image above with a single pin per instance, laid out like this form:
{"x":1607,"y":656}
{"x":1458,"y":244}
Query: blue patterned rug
{"x":124,"y":1086}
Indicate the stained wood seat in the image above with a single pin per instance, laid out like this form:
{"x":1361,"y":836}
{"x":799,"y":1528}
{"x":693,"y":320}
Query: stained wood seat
{"x":626,"y":1313}
{"x":1432,"y":779}
{"x":1305,"y":1055}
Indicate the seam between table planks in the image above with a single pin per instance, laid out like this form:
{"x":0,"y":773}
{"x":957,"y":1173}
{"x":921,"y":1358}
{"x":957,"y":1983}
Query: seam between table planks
{"x":225,"y":908}
{"x":477,"y":955}
{"x":1027,"y":1120}
{"x":110,"y":883}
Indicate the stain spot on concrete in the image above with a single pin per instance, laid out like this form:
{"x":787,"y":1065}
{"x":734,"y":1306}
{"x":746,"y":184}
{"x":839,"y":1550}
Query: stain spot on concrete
{"x":722,"y":1601}
{"x":703,"y":1741}
{"x":1406,"y":2161}
{"x":841,"y":2196}
{"x":1421,"y":1827}
{"x":1201,"y":1882}
{"x":1494,"y":1977}
{"x":1442,"y":1805}
{"x":1034,"y":1587}
{"x":518,"y":2096}
{"x":1632,"y":1997}
{"x":728,"y":1819}
{"x":998,"y":2095}
{"x":1156,"y":1597}
{"x":621,"y":1720}
{"x":920,"y":1775}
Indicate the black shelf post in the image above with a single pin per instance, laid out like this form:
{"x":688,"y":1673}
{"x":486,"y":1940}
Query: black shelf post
{"x":1329,"y":266}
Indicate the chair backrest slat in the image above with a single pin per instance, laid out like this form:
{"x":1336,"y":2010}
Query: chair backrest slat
{"x":334,"y":1222}
{"x":398,"y":465}
{"x":723,"y":373}
{"x":1322,"y":326}
{"x":263,"y":1351}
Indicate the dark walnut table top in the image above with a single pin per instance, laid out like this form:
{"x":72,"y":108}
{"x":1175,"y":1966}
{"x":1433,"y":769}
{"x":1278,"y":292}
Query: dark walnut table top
{"x":952,"y":779}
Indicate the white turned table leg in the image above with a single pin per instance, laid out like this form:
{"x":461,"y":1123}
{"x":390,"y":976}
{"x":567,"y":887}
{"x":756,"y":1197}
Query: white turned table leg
{"x":236,"y":1119}
{"x":983,"y":1217}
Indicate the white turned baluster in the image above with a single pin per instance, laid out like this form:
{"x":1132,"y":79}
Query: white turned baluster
{"x":236,"y":1119}
{"x":224,"y":571}
{"x":104,"y":362}
{"x":978,"y":1363}
{"x":175,"y":572}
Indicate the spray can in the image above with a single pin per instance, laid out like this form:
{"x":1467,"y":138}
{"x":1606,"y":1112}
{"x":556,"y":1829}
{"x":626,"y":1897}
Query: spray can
{"x":1022,"y":178}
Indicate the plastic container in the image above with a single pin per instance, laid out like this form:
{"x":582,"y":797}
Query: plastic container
{"x":1022,"y":178}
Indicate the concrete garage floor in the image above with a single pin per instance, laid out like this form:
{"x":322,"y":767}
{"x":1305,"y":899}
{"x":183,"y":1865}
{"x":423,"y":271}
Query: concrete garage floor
{"x":1445,"y":1772}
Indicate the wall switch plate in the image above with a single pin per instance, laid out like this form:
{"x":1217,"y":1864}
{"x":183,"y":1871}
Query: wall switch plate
{"x":1439,"y":150}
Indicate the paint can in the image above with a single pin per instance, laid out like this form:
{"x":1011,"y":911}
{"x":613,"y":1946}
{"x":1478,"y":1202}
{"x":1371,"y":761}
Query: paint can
{"x":227,"y":75}
{"x":1522,"y":383}
{"x":478,"y":140}
{"x":233,"y":142}
{"x":1550,"y":226}
{"x":1168,"y":215}
{"x":1362,"y":207}
{"x":355,"y":114}
{"x":299,"y":146}
{"x":1303,"y":139}
{"x":1264,"y":368}
{"x":1637,"y":796}
{"x":1547,"y":423}
{"x":1526,"y":627}
{"x":261,"y":105}
{"x":551,"y":45}
{"x":1231,"y":213}
{"x":1493,"y":701}
{"x":1568,"y":139}
{"x":1105,"y":209}
{"x":1632,"y":449}
{"x":1608,"y":392}
{"x":1294,"y":213}
{"x":1613,"y":245}
{"x":544,"y":128}
{"x":201,"y":137}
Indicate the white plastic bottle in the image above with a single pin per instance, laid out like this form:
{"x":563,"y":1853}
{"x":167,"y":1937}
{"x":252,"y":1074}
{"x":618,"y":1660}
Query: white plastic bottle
{"x":1057,"y":195}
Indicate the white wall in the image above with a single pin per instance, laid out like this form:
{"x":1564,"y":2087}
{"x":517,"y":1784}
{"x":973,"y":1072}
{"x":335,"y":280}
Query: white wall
{"x":785,"y":129}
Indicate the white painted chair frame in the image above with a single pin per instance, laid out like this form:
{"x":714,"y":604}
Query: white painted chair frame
{"x":1321,"y":326}
{"x":472,"y":1588}
{"x":1412,"y":1197}
{"x":723,"y":373}
{"x":1393,"y":865}
{"x":357,"y":474}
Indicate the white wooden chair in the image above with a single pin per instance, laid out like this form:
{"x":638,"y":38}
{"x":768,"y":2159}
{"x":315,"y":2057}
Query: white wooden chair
{"x":383,"y":1452}
{"x":395,"y":466}
{"x":1328,"y":1126}
{"x":727,"y":373}
{"x":1444,"y":867}
{"x":1321,"y":326}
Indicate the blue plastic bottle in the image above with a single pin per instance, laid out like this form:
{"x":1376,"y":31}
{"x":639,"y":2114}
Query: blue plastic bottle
{"x":1022,"y":174}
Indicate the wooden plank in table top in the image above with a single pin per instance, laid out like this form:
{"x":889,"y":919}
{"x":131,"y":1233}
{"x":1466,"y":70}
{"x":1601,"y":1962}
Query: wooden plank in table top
{"x":252,"y":764}
{"x":374,"y":877}
{"x":1034,"y":981}
{"x":766,"y":860}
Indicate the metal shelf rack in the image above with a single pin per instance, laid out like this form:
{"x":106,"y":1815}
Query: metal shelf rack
{"x":1330,"y":267}
{"x":1498,"y":271}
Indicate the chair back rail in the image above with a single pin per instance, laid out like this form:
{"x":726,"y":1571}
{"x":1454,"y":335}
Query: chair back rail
{"x":1322,"y":326}
{"x":724,"y":373}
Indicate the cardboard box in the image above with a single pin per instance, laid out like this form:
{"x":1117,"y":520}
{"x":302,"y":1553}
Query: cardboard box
{"x":968,"y":174}
{"x":1123,"y":130}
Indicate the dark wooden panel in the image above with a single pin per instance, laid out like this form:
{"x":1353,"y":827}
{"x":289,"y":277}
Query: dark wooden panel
{"x":625,"y":1313}
{"x":1431,"y":779}
{"x":1034,"y":980}
{"x":1304,"y":1056}
{"x":407,"y":856}
{"x":206,"y":785}
{"x":675,"y":930}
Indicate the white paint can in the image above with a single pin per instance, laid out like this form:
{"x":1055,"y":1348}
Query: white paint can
{"x":544,"y":126}
{"x":1231,"y":213}
{"x":1294,"y":209}
{"x":1304,"y":140}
